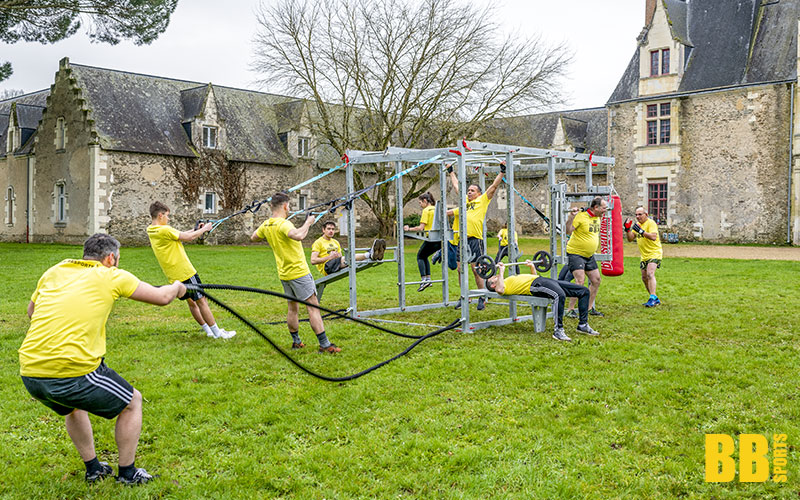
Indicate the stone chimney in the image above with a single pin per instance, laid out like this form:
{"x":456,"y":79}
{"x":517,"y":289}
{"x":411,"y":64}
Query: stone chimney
{"x":649,"y":11}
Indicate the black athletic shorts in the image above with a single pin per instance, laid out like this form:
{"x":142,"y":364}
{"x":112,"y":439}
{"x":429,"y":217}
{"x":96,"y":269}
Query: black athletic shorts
{"x":333,"y":265}
{"x":579,"y":262}
{"x":193,"y":294}
{"x":643,"y":264}
{"x":102,"y":392}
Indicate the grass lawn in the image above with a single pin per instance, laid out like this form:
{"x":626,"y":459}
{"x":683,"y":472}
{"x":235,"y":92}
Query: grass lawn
{"x":502,"y":413}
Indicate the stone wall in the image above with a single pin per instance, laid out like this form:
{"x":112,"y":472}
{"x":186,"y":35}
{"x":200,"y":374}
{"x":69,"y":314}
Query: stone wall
{"x":13,"y":174}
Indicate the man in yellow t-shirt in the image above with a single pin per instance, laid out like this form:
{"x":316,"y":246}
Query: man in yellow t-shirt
{"x":539,"y":286}
{"x":502,"y":250}
{"x":285,"y":240}
{"x":583,"y":226}
{"x":62,"y":357}
{"x":477,"y":206}
{"x":645,"y":232}
{"x":428,"y":204}
{"x":167,"y":245}
{"x":326,"y":252}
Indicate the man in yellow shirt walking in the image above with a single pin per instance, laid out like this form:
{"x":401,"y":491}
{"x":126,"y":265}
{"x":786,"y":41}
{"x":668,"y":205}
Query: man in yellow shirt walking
{"x":285,"y":240}
{"x":584,"y":230}
{"x":167,"y":245}
{"x":62,"y":357}
{"x":645,"y":232}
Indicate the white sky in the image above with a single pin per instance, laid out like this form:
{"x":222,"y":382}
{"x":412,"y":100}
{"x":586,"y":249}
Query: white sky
{"x":210,"y":41}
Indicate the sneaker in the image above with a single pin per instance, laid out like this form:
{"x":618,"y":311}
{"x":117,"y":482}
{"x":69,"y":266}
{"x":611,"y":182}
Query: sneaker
{"x":650,"y":303}
{"x":658,"y":301}
{"x":377,"y":250}
{"x":331,"y":349}
{"x":595,"y":312}
{"x":559,"y":334}
{"x":571,"y":313}
{"x":588,"y":330}
{"x":298,"y":345}
{"x":437,"y":257}
{"x":481,"y":303}
{"x":225,"y":334}
{"x":104,"y":472}
{"x":140,"y":476}
{"x":426,"y":282}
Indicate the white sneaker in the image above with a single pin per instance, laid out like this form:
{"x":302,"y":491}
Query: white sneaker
{"x":225,"y":334}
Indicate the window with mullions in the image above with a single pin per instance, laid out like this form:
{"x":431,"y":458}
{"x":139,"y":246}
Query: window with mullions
{"x":658,"y":123}
{"x":210,"y":203}
{"x":210,"y":137}
{"x":657,"y":200}
{"x":303,"y":147}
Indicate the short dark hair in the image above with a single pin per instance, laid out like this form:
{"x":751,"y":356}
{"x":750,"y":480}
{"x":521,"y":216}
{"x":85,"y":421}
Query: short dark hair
{"x":278,"y":199}
{"x":158,"y":208}
{"x":596,"y":202}
{"x":99,"y":246}
{"x":329,"y":223}
{"x":477,"y":187}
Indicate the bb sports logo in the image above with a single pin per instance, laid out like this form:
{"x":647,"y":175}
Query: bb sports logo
{"x":754,"y":466}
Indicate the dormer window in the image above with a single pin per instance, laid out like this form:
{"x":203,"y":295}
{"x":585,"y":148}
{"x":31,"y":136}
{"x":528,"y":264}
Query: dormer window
{"x":303,"y":147}
{"x":659,"y":62}
{"x":210,"y":137}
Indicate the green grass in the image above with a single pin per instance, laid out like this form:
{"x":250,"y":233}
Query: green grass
{"x":503,"y":412}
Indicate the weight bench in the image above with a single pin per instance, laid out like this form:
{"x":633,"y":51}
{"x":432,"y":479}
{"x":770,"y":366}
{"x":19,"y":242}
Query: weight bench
{"x":332,"y":278}
{"x":538,"y":305}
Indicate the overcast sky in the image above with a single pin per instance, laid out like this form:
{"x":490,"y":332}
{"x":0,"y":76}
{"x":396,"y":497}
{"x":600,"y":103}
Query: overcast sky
{"x":210,"y":41}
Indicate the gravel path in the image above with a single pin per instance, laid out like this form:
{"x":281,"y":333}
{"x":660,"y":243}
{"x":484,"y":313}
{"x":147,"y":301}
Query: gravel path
{"x":723,"y":252}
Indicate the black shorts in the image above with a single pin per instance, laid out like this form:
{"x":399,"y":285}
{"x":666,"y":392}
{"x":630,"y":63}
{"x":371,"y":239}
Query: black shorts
{"x":579,"y":262}
{"x":643,"y":264}
{"x":193,"y":294}
{"x":102,"y":392}
{"x":332,"y":266}
{"x":475,"y":247}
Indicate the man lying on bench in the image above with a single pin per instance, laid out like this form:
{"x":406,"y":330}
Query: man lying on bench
{"x":538,"y":286}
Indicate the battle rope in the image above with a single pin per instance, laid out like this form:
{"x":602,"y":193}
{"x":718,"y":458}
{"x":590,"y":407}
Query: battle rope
{"x":419,"y":338}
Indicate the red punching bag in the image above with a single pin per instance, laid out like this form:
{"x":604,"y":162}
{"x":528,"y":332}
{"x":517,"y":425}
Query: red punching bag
{"x":615,"y":266}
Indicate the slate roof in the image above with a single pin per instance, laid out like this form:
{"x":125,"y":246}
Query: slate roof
{"x":587,"y":128}
{"x":29,"y":108}
{"x":143,"y":113}
{"x":735,"y":42}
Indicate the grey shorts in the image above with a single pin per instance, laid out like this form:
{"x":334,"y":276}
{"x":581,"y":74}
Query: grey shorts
{"x":301,"y":288}
{"x":102,"y":392}
{"x":579,"y":262}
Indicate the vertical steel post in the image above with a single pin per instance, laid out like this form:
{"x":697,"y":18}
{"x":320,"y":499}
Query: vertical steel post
{"x":482,"y":185}
{"x":351,"y":242}
{"x":555,"y":214}
{"x":588,"y":176}
{"x":442,"y":208}
{"x":513,"y":255}
{"x":462,"y":241}
{"x":400,"y":252}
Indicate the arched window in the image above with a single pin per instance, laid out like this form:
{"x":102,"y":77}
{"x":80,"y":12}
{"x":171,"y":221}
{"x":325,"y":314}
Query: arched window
{"x":61,"y":202}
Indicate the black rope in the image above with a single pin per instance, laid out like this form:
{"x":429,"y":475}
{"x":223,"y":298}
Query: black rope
{"x":419,"y":338}
{"x":306,"y":320}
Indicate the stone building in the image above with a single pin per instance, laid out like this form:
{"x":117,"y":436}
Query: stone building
{"x":703,"y":123}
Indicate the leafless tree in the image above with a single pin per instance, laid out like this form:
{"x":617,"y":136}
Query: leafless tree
{"x":10,"y":93}
{"x":409,"y":73}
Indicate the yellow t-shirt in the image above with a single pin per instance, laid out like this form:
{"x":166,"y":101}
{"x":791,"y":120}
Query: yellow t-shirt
{"x":503,"y":235}
{"x":519,"y":284}
{"x":289,"y":254}
{"x":476,"y":213}
{"x":648,"y":248}
{"x":586,"y":237}
{"x":67,"y":336}
{"x":325,"y":248}
{"x":454,"y":241}
{"x":170,"y":253}
{"x":426,"y":219}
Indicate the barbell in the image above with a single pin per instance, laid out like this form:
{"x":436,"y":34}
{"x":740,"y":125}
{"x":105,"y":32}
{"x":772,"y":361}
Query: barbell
{"x":486,"y":266}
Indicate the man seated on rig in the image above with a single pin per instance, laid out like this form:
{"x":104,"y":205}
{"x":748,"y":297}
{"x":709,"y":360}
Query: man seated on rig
{"x":539,"y":286}
{"x":326,"y":252}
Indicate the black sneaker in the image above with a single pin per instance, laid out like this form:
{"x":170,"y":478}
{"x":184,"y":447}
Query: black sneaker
{"x":481,"y":303}
{"x":103,"y":472}
{"x":377,"y":250}
{"x":560,"y":334}
{"x":595,"y":312}
{"x":588,"y":330}
{"x":571,"y":313}
{"x":140,"y":476}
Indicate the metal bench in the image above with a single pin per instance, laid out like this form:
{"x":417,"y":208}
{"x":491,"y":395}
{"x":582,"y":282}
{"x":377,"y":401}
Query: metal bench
{"x":538,"y":308}
{"x":332,"y":278}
